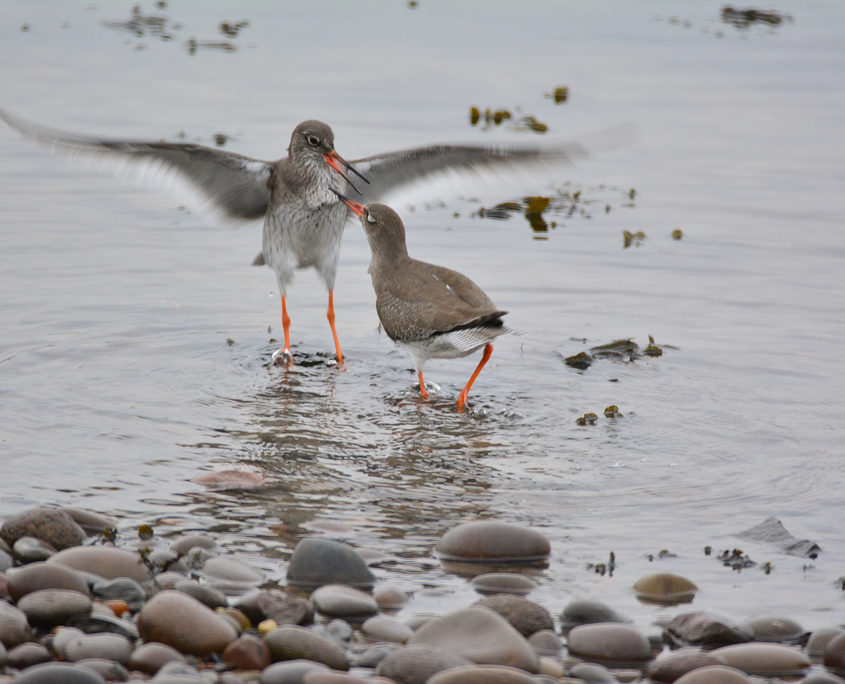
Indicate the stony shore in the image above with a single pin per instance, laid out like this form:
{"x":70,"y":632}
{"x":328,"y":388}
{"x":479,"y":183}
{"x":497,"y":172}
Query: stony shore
{"x":78,"y":609}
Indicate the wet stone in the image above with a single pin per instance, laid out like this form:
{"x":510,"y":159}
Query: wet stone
{"x":204,"y":541}
{"x":121,"y":588}
{"x":247,"y":652}
{"x":337,"y":600}
{"x":374,"y":655}
{"x":481,"y":635}
{"x":671,"y":665}
{"x":27,"y":655}
{"x":764,"y":659}
{"x":714,"y":674}
{"x":416,"y":664}
{"x":290,"y":672}
{"x":503,"y":583}
{"x":822,"y":678}
{"x":50,"y":525}
{"x":292,"y":643}
{"x":339,"y":629}
{"x":491,"y":540}
{"x":97,"y":623}
{"x":328,"y":677}
{"x":32,"y":550}
{"x":281,"y":607}
{"x":28,"y":578}
{"x":152,"y":656}
{"x":108,"y":562}
{"x":526,"y":616}
{"x":386,"y":628}
{"x":586,"y":612}
{"x":819,"y":640}
{"x":51,"y":607}
{"x":92,"y":523}
{"x":610,"y":644}
{"x":482,"y":674}
{"x":179,"y":673}
{"x":59,"y":673}
{"x":108,"y":646}
{"x":317,"y":561}
{"x":6,"y":560}
{"x":546,"y":642}
{"x":777,"y":629}
{"x":181,"y":621}
{"x":202,"y":593}
{"x":230,"y":575}
{"x":665,"y":588}
{"x":167,"y":560}
{"x":390,"y":597}
{"x":705,"y":629}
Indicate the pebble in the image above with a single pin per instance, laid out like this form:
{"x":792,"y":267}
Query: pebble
{"x":546,"y":642}
{"x":203,"y":593}
{"x":102,"y":622}
{"x":27,"y":654}
{"x":776,"y":629}
{"x":31,"y":549}
{"x":386,"y":628}
{"x":91,"y":522}
{"x":834,"y":653}
{"x":40,"y":575}
{"x":152,"y":656}
{"x":291,"y":643}
{"x":482,"y":674}
{"x":106,"y":561}
{"x":230,"y":575}
{"x":247,"y":652}
{"x":337,"y":600}
{"x":109,"y":670}
{"x":50,"y":525}
{"x":491,"y":540}
{"x":316,"y":561}
{"x":109,"y":646}
{"x":665,"y":588}
{"x":764,"y":659}
{"x":822,"y":678}
{"x":181,"y":621}
{"x":592,"y":674}
{"x":526,"y":616}
{"x":121,"y":588}
{"x":290,"y":672}
{"x":197,"y":540}
{"x":503,"y":583}
{"x":276,"y":605}
{"x":52,"y":607}
{"x":714,"y":674}
{"x":586,"y":612}
{"x":671,"y":665}
{"x":59,"y":673}
{"x":390,"y":597}
{"x":609,"y":644}
{"x":481,"y":635}
{"x":417,"y":663}
{"x":705,"y":629}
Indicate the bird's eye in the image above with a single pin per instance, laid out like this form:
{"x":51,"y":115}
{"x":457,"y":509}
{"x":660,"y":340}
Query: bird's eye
{"x":313,"y":140}
{"x":370,"y":218}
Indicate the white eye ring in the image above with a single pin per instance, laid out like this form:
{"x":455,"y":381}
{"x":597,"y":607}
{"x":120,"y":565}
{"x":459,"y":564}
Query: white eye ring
{"x":370,"y":218}
{"x":313,"y":140}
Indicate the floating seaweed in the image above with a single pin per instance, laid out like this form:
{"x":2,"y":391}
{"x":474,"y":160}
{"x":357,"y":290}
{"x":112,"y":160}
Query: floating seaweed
{"x":677,"y":234}
{"x":630,"y":238}
{"x":232,"y":30}
{"x":496,"y":117}
{"x":745,"y":18}
{"x":624,"y":350}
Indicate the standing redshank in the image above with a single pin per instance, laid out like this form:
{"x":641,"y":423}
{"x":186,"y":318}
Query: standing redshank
{"x":303,"y":217}
{"x":428,"y":310}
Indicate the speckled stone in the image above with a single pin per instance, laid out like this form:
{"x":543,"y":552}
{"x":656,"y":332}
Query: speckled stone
{"x":492,"y":540}
{"x":51,"y":525}
{"x":526,"y":616}
{"x":764,"y":659}
{"x":181,"y":621}
{"x":481,"y":635}
{"x":106,"y":561}
{"x":609,"y":643}
{"x":705,"y":629}
{"x":28,"y":578}
{"x":292,"y":643}
{"x":316,"y":561}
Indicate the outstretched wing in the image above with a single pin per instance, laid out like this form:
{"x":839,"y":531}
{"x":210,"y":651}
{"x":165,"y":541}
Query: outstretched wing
{"x":394,"y":170}
{"x":234,"y":184}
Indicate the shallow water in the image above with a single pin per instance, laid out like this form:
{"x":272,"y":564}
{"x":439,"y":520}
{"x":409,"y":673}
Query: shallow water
{"x":135,"y":335}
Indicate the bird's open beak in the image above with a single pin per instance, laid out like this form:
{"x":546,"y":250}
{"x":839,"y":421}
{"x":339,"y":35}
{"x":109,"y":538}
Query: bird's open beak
{"x":354,"y":206}
{"x":334,"y":160}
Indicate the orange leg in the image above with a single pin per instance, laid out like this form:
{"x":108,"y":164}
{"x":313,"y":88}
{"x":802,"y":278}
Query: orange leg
{"x":423,"y":393}
{"x":330,"y":316}
{"x":284,"y":353}
{"x":462,"y":397}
